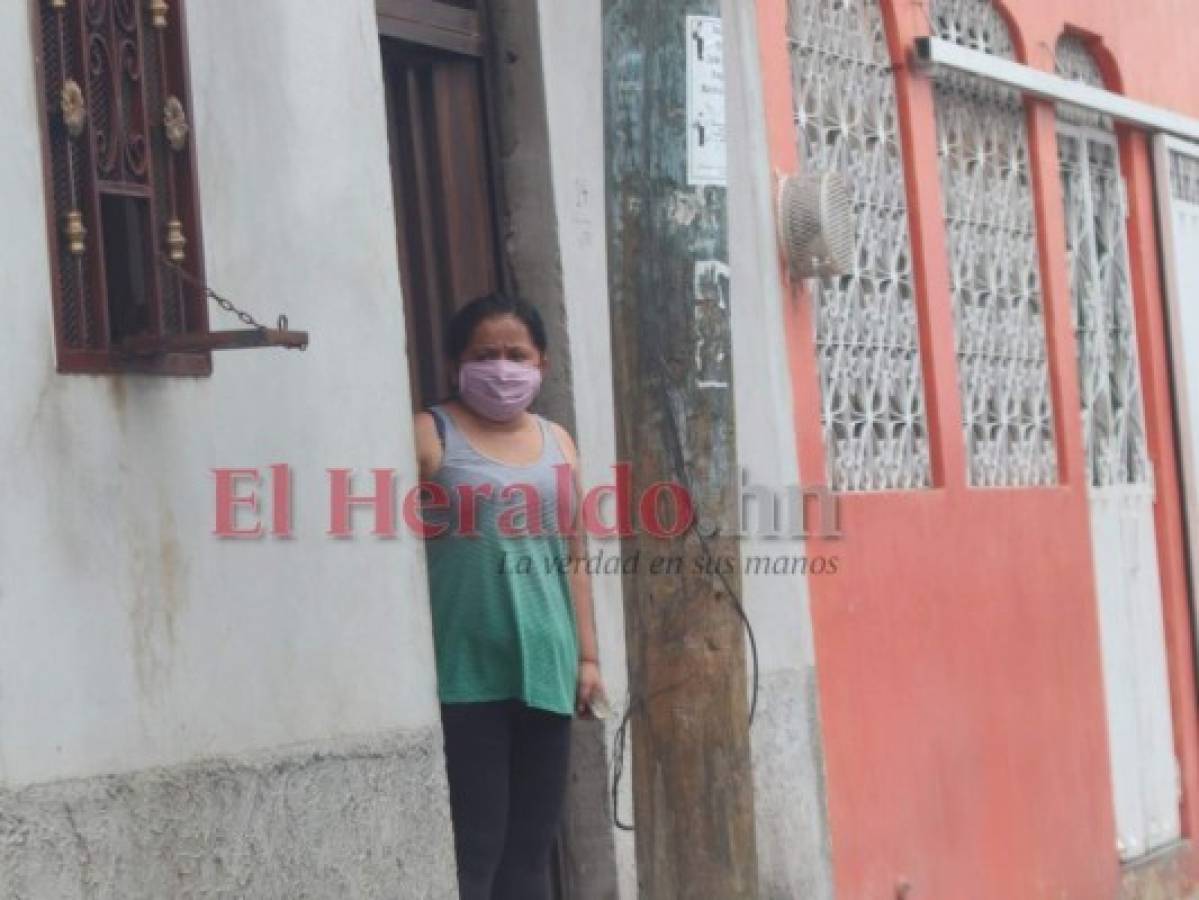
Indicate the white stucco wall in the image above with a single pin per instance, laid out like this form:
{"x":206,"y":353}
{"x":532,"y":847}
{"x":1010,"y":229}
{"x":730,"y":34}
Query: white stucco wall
{"x":791,"y":821}
{"x":129,"y":636}
{"x":766,"y":446}
{"x":572,"y":58}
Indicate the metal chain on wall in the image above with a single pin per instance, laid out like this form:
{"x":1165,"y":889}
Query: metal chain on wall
{"x":867,"y":336}
{"x":1003,"y":371}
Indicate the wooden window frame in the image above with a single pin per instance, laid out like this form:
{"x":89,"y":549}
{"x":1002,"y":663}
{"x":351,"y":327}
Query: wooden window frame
{"x":174,"y":190}
{"x":433,"y":24}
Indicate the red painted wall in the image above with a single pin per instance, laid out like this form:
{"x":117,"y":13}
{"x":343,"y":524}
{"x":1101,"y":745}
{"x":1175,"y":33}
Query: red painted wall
{"x":958,"y":647}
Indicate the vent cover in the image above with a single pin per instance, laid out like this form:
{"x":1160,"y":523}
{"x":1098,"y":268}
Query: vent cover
{"x":816,"y":225}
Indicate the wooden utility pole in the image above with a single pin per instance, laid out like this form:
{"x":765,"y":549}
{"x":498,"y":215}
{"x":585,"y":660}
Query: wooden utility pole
{"x":668,"y":255}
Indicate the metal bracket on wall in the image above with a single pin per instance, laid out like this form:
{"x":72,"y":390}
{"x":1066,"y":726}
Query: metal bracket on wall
{"x":934,"y":52}
{"x":257,"y":335}
{"x":240,"y":339}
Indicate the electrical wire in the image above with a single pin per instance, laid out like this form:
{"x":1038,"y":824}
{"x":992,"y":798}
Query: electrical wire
{"x":636,"y":701}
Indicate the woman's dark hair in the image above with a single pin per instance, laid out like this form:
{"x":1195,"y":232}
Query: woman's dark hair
{"x":466,"y":320}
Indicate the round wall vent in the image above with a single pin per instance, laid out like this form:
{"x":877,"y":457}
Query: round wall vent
{"x":816,"y":224}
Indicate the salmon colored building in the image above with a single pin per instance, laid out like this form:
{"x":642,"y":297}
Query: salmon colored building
{"x":1006,"y":663}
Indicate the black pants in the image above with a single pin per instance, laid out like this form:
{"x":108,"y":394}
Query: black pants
{"x":507,"y":766}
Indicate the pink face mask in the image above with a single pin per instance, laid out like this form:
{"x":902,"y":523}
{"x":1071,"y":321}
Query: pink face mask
{"x":498,"y":389}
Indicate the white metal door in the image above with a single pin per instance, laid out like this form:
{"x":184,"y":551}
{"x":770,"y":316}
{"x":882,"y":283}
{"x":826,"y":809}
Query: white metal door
{"x":1176,"y":165}
{"x":1145,"y":780}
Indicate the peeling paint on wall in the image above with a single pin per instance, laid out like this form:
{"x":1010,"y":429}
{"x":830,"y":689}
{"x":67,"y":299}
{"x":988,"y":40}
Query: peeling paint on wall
{"x":712,"y":364}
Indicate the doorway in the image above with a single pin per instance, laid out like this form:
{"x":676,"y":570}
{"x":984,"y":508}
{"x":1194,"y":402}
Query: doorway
{"x":1176,"y":166}
{"x":1145,"y":780}
{"x":443,"y":178}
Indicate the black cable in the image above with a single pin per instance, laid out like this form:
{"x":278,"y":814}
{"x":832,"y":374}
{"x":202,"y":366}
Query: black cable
{"x":635,"y":700}
{"x":676,"y":451}
{"x":680,"y":468}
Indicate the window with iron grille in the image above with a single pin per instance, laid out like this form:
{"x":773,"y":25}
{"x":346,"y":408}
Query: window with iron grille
{"x":1100,"y":283}
{"x":124,"y":223}
{"x":999,"y":314}
{"x":867,"y":333}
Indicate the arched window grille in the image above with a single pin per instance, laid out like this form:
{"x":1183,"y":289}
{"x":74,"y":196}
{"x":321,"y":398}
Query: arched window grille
{"x":1100,"y":286}
{"x":873,"y":406}
{"x":1003,"y":372}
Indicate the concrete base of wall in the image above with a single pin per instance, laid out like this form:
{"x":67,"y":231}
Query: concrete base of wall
{"x":588,"y":860}
{"x":363,"y":819}
{"x":1168,"y":874}
{"x":789,"y":800}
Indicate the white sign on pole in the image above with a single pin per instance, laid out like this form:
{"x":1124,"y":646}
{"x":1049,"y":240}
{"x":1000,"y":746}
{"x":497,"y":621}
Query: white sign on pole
{"x":707,"y":150}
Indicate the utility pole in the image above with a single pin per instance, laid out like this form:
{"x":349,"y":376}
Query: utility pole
{"x":669,"y":288}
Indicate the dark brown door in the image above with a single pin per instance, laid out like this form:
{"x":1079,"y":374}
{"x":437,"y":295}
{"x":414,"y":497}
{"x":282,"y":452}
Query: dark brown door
{"x":444,"y":202}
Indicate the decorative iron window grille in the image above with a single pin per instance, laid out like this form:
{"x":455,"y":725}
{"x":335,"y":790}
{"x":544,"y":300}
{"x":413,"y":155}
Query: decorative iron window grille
{"x":1003,"y":370}
{"x":1073,"y":60}
{"x":867,"y":336}
{"x":1100,"y":287}
{"x":1184,"y":177}
{"x":121,"y":184}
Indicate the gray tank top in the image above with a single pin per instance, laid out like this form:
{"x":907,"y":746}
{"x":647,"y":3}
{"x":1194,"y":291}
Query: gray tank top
{"x":503,"y":619}
{"x":462,"y":464}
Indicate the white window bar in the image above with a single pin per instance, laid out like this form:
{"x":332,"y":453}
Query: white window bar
{"x":937,"y":52}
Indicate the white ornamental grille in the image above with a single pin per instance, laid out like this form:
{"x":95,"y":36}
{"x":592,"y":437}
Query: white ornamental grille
{"x":1104,"y":326}
{"x":1003,"y":371}
{"x":872,"y":392}
{"x":1184,"y":177}
{"x":1100,"y":288}
{"x":1073,"y":60}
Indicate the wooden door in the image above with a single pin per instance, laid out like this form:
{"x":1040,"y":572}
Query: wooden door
{"x":444,"y":201}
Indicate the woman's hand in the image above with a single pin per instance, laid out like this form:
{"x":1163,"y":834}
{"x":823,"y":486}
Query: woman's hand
{"x":591,"y":689}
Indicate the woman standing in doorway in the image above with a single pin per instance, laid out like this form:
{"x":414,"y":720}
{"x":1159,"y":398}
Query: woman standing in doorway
{"x":512,"y":618}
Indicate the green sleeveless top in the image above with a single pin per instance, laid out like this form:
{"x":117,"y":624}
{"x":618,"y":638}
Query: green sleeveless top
{"x":503,"y":618}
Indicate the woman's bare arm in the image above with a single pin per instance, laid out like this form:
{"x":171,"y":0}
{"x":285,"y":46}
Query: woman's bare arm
{"x":580,"y":583}
{"x":428,"y":444}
